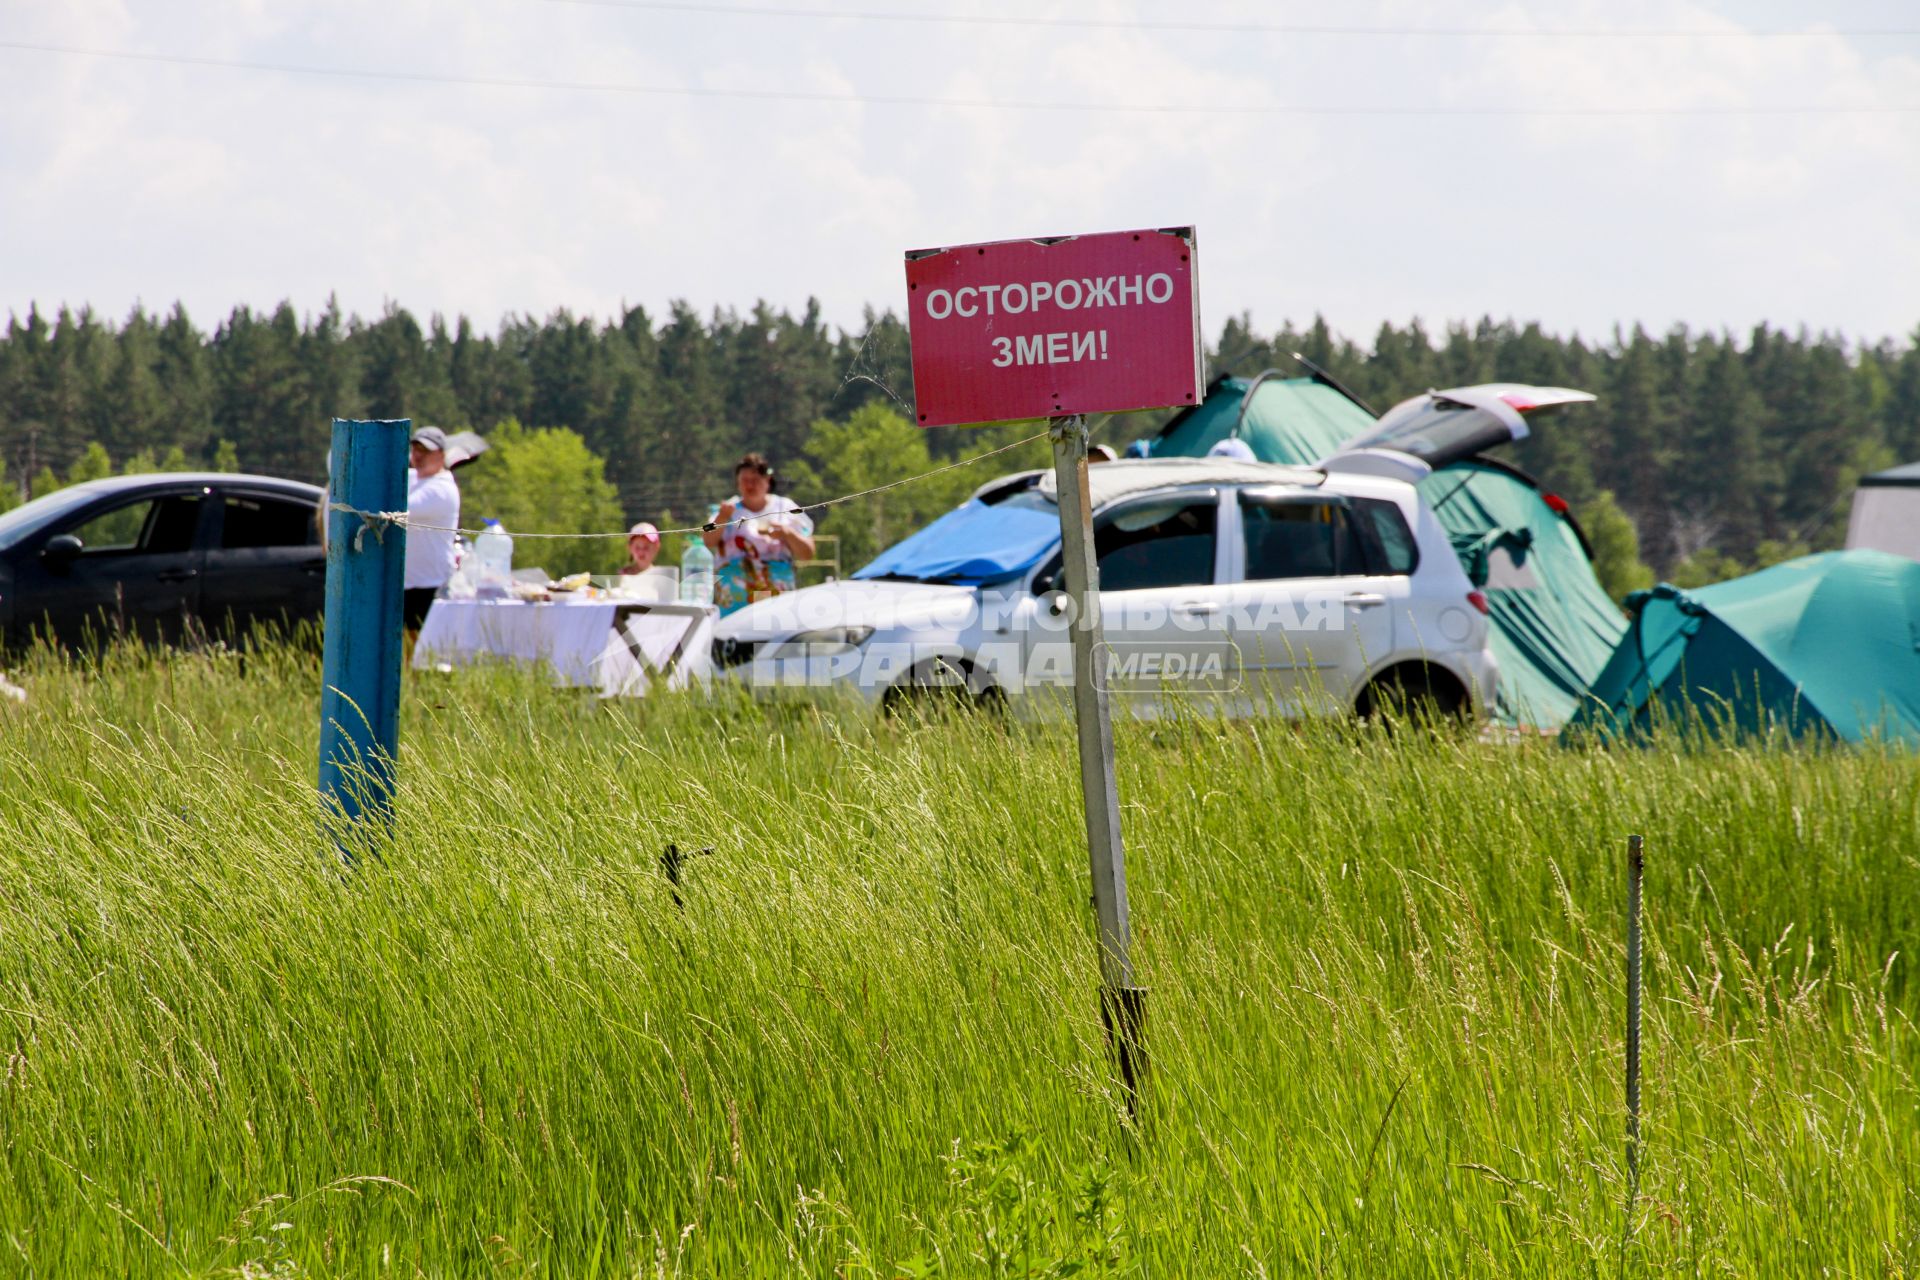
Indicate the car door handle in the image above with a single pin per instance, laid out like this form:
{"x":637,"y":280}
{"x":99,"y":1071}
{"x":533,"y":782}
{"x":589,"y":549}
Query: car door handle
{"x":1366,"y":600}
{"x":176,"y":575}
{"x":1196,"y":608}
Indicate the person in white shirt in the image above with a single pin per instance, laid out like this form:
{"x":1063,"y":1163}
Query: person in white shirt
{"x":433,"y":499}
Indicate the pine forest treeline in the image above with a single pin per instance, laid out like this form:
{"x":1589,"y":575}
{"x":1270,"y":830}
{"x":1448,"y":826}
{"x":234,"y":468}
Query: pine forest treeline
{"x":1711,"y":442}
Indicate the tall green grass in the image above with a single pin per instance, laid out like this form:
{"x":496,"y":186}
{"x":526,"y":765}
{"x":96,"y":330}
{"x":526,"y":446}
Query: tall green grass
{"x":1386,"y":1010}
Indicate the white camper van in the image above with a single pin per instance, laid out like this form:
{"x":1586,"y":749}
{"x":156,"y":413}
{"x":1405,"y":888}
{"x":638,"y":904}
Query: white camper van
{"x":1886,"y":512}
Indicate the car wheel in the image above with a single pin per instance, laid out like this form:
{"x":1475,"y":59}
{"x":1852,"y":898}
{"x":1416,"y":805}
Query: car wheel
{"x":1413,"y":696}
{"x":936,"y":686}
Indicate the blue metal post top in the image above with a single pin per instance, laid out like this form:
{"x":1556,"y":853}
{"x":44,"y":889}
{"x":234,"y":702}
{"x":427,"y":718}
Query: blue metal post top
{"x":360,"y":689}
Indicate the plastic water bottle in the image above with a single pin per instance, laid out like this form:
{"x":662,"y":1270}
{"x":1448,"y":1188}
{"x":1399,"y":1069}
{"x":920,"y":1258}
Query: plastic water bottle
{"x":461,"y":585}
{"x":493,"y":549}
{"x":696,"y":572}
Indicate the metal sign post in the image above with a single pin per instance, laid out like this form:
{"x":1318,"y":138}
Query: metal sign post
{"x":1057,"y":328}
{"x":1122,"y":1005}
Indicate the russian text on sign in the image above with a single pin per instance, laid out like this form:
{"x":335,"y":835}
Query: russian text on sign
{"x":1108,"y":291}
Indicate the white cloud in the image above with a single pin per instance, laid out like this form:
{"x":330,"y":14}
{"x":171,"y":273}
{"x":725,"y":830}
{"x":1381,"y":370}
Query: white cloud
{"x":133,"y":181}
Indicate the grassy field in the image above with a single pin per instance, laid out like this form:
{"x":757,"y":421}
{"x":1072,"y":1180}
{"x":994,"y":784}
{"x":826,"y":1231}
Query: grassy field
{"x":1386,"y":1015}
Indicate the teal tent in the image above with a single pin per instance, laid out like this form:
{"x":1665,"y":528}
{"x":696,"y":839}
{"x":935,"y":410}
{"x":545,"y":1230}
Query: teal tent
{"x":1293,"y":420}
{"x":1826,"y":644}
{"x":1554,"y":628}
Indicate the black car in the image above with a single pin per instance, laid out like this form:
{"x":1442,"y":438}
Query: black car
{"x":161,"y":557}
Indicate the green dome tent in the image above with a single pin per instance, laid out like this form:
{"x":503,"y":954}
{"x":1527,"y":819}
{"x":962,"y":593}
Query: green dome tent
{"x":1553,"y":626}
{"x":1292,"y":420}
{"x":1826,"y":644}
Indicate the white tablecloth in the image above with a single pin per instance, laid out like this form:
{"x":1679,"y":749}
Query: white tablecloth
{"x":576,"y":638}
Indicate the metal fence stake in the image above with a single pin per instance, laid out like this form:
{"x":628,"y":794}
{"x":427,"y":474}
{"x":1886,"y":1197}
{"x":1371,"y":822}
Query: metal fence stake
{"x":1635,"y":866}
{"x":360,"y":667}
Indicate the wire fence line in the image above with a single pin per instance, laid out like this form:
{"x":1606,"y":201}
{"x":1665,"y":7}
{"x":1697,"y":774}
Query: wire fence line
{"x":706,"y":8}
{"x":379,"y":521}
{"x":1062,"y":106}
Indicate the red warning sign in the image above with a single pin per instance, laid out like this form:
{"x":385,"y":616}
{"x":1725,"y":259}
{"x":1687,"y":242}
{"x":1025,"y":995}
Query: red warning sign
{"x":1043,"y":328}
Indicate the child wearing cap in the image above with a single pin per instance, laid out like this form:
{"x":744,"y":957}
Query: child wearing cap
{"x":643,"y":545}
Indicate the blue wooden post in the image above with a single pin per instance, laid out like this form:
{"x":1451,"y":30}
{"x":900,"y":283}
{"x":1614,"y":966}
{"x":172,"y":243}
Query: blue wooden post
{"x":360,"y":673}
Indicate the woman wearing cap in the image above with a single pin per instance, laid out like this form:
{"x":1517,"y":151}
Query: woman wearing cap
{"x":643,"y":545}
{"x":758,"y":534}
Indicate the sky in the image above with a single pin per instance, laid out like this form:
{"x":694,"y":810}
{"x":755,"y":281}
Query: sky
{"x":793,"y":149}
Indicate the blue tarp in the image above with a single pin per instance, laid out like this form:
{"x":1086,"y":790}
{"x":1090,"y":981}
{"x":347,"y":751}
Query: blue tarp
{"x":972,"y":543}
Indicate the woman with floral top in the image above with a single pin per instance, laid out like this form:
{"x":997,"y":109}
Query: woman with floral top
{"x":757,"y":536}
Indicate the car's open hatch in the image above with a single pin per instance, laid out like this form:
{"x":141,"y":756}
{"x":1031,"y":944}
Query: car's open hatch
{"x":1440,"y":427}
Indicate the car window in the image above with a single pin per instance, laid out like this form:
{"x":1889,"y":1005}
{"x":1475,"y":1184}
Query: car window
{"x":115,"y":530}
{"x":252,"y":521}
{"x":150,"y":526}
{"x":1389,"y":542}
{"x":1294,"y":539}
{"x":1161,"y":544}
{"x":21,"y":523}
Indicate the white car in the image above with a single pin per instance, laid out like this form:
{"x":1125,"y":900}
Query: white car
{"x":1255,"y":588}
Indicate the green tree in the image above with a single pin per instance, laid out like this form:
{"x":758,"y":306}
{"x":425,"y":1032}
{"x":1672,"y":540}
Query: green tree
{"x":143,"y":462}
{"x":1832,"y":441}
{"x":80,"y":357}
{"x":545,"y":480}
{"x":128,"y":415}
{"x":20,"y":428}
{"x":1718,"y":487}
{"x":633,"y":409}
{"x":1638,"y":420}
{"x":93,"y":464}
{"x":1900,"y":411}
{"x":689,"y":460}
{"x":225,"y":457}
{"x":1403,"y":364}
{"x":488,"y":378}
{"x":1560,"y":452}
{"x":183,"y":370}
{"x":1616,"y":547}
{"x":572,"y":386}
{"x":1468,"y":356}
{"x":43,"y":483}
{"x":400,"y":376}
{"x":1772,"y":551}
{"x":329,"y":389}
{"x":1703,"y":567}
{"x":872,"y":447}
{"x":10,"y":495}
{"x":1242,"y":351}
{"x":260,"y":392}
{"x":874,"y":364}
{"x":779,"y":374}
{"x":1712,"y":445}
